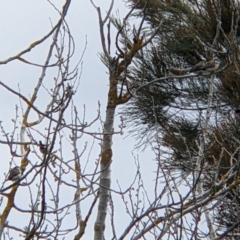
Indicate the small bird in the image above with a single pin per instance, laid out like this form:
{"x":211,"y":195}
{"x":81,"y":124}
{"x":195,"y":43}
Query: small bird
{"x":43,"y":148}
{"x":198,"y":66}
{"x":206,"y":66}
{"x":14,"y":174}
{"x":176,"y":72}
{"x":212,"y":65}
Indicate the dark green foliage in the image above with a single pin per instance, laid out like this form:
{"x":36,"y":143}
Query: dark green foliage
{"x":174,"y":109}
{"x":185,"y":37}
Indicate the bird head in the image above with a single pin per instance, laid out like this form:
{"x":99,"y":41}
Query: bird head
{"x":216,"y":60}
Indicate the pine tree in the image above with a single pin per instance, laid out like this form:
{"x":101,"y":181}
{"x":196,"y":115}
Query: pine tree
{"x":195,"y":114}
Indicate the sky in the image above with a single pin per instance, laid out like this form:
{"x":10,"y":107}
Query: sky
{"x":23,"y":22}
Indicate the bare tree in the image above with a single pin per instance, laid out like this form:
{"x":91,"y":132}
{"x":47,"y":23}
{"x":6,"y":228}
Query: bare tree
{"x":46,"y":181}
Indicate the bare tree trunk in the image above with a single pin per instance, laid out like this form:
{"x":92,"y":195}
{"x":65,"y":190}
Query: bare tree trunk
{"x":117,"y":67}
{"x":106,"y":157}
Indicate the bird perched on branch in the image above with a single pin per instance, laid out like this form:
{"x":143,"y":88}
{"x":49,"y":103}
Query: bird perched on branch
{"x":43,"y":148}
{"x":206,"y":66}
{"x":14,"y":174}
{"x":176,"y":72}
